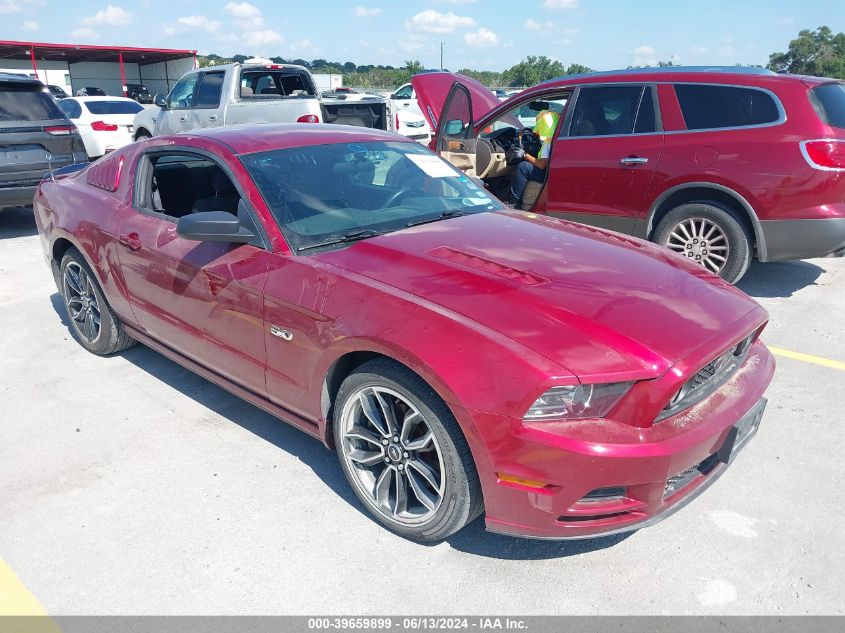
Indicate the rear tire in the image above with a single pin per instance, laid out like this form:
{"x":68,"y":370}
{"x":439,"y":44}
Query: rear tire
{"x":709,"y":235}
{"x":92,"y":322}
{"x":404,"y":454}
{"x":142,"y":134}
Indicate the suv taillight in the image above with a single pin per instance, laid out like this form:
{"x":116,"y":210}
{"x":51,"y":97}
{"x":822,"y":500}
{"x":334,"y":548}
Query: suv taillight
{"x":60,"y":130}
{"x":102,"y":126}
{"x":308,"y":118}
{"x":827,"y":154}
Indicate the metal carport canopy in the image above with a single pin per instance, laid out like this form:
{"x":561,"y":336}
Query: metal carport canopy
{"x":72,"y":53}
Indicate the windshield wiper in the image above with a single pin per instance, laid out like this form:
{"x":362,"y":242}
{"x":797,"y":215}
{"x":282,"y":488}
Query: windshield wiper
{"x":352,"y":236}
{"x":443,"y":216}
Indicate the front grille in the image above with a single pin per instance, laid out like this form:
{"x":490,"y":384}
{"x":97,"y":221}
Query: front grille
{"x":709,"y":378}
{"x":680,"y":481}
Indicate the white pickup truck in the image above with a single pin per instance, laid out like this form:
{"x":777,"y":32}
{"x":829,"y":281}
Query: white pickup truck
{"x":252,"y":93}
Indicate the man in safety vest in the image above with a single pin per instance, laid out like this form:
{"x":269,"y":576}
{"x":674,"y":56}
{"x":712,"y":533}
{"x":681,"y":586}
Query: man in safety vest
{"x":532,"y":168}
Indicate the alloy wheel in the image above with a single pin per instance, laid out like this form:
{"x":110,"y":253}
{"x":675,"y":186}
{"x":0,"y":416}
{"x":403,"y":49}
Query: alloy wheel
{"x":393,"y":455}
{"x":702,"y":241}
{"x":81,"y":302}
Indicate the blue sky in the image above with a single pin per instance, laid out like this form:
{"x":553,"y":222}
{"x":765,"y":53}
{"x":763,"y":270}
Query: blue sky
{"x":482,"y":34}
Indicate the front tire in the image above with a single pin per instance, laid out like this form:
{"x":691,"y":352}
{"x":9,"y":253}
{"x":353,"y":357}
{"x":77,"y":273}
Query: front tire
{"x":142,"y":134}
{"x":92,"y":321}
{"x":708,"y":235}
{"x":404,"y":454}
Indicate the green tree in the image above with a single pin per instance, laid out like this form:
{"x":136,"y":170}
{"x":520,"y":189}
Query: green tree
{"x":532,"y":70}
{"x":578,"y":69}
{"x":819,"y":53}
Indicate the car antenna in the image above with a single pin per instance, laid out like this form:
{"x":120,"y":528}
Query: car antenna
{"x":50,"y":167}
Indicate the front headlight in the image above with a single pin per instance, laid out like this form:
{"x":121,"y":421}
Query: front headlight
{"x":574,"y":402}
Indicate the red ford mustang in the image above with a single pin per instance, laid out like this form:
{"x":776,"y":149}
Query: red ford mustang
{"x":462,"y":358}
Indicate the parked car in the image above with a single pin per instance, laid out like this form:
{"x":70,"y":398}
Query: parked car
{"x":413,"y":125}
{"x":91,"y":91}
{"x":405,"y":98}
{"x":232,"y":94}
{"x":105,"y":123}
{"x":562,"y":399}
{"x":145,"y":121}
{"x":35,"y":137}
{"x":720,"y":165}
{"x":139,"y":93}
{"x":56,"y":91}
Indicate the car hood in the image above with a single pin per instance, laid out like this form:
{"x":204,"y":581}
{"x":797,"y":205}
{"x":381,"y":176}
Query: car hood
{"x":433,"y":88}
{"x":595,"y":302}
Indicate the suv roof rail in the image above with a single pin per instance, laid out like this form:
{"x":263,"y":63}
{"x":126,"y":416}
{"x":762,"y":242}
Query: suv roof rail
{"x":741,"y":70}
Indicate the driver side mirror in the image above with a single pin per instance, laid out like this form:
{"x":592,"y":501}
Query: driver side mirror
{"x":214,"y":226}
{"x":161,"y":101}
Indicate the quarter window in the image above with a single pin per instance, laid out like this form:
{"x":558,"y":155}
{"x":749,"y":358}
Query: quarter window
{"x":71,"y":108}
{"x":829,"y":103}
{"x":711,"y":107}
{"x":613,"y":110}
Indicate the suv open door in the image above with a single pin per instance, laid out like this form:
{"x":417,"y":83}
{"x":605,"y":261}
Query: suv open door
{"x":452,"y":104}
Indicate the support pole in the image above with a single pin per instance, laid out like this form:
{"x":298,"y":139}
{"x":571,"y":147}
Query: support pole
{"x":34,"y":65}
{"x":122,"y":74}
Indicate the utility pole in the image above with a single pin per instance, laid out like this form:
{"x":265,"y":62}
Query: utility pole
{"x":441,"y":55}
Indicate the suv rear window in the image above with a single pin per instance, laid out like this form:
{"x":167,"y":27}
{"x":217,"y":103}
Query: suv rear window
{"x":711,"y":107}
{"x":829,"y":103}
{"x":273,"y":84}
{"x":113,"y":107}
{"x":20,"y":102}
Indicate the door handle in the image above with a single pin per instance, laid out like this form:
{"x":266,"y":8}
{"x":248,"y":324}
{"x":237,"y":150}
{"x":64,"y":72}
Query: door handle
{"x":633,"y":160}
{"x":212,"y":117}
{"x":130,"y":241}
{"x":183,"y":118}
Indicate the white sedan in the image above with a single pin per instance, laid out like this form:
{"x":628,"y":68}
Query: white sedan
{"x":105,"y":123}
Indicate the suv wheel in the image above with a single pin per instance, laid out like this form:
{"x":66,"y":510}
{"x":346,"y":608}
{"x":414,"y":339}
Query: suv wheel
{"x":708,"y":235}
{"x":404,"y":454}
{"x":92,"y":321}
{"x":142,"y":134}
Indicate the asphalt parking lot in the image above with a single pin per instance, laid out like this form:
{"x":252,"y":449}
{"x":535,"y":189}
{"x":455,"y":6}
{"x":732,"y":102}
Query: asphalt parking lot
{"x":128,"y":485}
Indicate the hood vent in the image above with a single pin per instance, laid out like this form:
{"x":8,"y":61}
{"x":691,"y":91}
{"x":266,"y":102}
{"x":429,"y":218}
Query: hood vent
{"x":488,"y":266}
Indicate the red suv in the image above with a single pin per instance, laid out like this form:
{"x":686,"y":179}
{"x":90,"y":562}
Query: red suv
{"x":718,"y":164}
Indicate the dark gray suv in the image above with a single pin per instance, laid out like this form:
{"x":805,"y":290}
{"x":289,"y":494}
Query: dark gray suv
{"x":34,"y":136}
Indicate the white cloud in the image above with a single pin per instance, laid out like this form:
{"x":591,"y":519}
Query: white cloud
{"x":431,"y":21}
{"x":110,"y":16}
{"x":246,"y":15}
{"x":482,"y":38}
{"x":30,"y":26}
{"x":534,"y":25}
{"x":9,"y":6}
{"x":365,"y":12}
{"x":788,"y":20}
{"x":303,"y":47}
{"x":250,"y":22}
{"x":84,"y":33}
{"x":644,"y":56}
{"x":200,"y":22}
{"x":560,"y":4}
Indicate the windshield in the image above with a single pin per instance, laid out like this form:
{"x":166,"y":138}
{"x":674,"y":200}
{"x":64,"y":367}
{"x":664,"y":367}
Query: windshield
{"x":113,"y":107}
{"x":325,"y":193}
{"x":829,"y":102}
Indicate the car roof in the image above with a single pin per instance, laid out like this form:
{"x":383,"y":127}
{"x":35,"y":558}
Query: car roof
{"x":251,"y":138}
{"x":21,"y":79}
{"x":101,"y":98}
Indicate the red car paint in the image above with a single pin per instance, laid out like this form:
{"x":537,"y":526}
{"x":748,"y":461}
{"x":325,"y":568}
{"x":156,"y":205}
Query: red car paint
{"x":791,"y":209}
{"x":490,"y":309}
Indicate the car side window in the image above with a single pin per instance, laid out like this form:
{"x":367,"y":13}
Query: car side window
{"x":182,"y":95}
{"x":71,"y":109}
{"x":607,"y":110}
{"x":706,"y":107}
{"x":403,"y":93}
{"x":646,"y":121}
{"x":210,"y":89}
{"x":173,"y":185}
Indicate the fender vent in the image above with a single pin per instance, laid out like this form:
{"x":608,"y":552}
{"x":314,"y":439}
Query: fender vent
{"x":488,"y":266}
{"x":105,"y":174}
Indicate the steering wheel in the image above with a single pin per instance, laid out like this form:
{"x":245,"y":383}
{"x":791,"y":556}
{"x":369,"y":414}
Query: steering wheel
{"x":528,"y":140}
{"x":395,"y":196}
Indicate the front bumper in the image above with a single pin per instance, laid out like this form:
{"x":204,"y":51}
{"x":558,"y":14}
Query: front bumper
{"x":600,"y":477}
{"x":802,"y":239}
